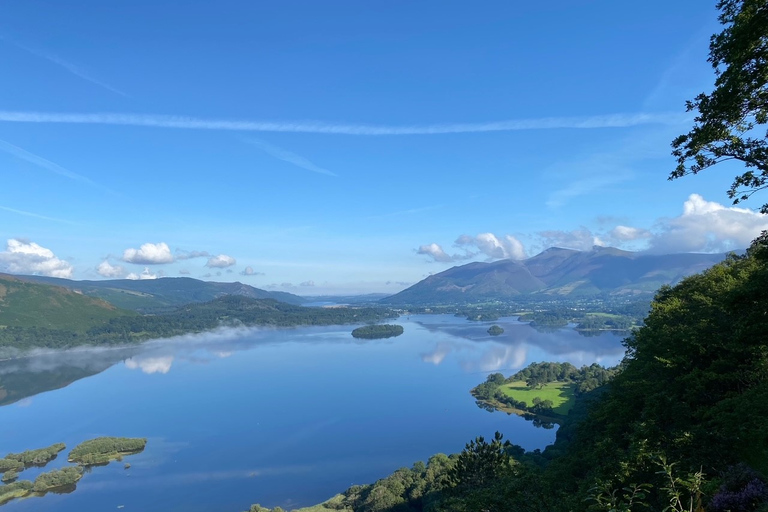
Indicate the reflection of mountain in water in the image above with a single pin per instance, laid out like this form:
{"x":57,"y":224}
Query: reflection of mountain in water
{"x":517,"y":345}
{"x":22,"y":378}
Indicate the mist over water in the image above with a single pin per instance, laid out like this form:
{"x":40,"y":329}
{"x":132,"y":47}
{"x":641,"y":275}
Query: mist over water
{"x":283,"y":417}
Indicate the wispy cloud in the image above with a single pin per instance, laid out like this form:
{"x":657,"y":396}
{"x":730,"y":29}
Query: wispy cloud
{"x":35,"y":215}
{"x":41,"y":162}
{"x":64,"y":64}
{"x":192,"y":123}
{"x":287,"y":156}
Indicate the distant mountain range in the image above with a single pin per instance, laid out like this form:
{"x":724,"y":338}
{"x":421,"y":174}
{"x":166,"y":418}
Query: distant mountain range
{"x":556,"y":272}
{"x":149,"y":294}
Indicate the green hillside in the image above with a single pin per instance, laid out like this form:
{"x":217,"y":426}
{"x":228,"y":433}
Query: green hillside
{"x":167,"y":293}
{"x":25,"y":304}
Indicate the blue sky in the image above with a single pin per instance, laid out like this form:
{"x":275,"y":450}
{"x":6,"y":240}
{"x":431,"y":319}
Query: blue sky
{"x":346,"y":146}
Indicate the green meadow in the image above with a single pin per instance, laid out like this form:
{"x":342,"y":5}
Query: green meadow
{"x":561,"y":394}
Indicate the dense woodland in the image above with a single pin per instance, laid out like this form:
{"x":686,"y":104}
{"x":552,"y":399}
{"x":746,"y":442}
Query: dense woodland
{"x":679,"y":426}
{"x":231,"y":310}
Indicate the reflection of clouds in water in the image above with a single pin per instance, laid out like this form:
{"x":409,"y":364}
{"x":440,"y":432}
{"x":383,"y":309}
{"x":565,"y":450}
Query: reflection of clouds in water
{"x":25,"y":402}
{"x":518,"y":346}
{"x":492,"y":356}
{"x":498,"y":358}
{"x":436,"y":356}
{"x":150,"y":364}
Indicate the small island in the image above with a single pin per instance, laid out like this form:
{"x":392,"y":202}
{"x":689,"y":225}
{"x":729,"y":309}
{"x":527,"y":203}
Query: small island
{"x":370,"y":332}
{"x":95,"y":452}
{"x":495,"y":330}
{"x":59,"y":480}
{"x":104,"y":449}
{"x":39,"y":457}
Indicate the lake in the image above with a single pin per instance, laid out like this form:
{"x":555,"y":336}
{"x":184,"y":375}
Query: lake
{"x":284,"y":417}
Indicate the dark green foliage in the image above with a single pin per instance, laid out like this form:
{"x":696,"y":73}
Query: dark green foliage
{"x":495,"y":330}
{"x":58,"y":478}
{"x":730,"y":121}
{"x":371,"y":332}
{"x":9,"y":476}
{"x":103,"y":449}
{"x":39,"y":457}
{"x":10,"y":465}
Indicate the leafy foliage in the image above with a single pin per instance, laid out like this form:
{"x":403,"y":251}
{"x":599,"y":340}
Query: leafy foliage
{"x":730,"y":120}
{"x":39,"y":457}
{"x":58,"y":478}
{"x":103,"y":449}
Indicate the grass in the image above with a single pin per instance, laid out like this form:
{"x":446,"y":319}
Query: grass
{"x":561,"y":394}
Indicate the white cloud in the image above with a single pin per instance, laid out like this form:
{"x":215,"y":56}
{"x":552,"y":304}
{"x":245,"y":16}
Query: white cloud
{"x":149,"y":254}
{"x":707,"y":226}
{"x":108,"y":270}
{"x":307,"y":283}
{"x":487,"y":244}
{"x":191,"y":123}
{"x":581,"y":239}
{"x":435,"y":252}
{"x":627,"y":233}
{"x":145,"y":274}
{"x":184,"y":272}
{"x":493,"y":247}
{"x":248,"y":271}
{"x":26,"y":257}
{"x":220,"y":261}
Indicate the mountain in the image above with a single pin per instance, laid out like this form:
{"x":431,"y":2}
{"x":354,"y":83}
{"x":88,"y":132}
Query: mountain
{"x":26,"y":304}
{"x":556,"y":272}
{"x":153,"y":294}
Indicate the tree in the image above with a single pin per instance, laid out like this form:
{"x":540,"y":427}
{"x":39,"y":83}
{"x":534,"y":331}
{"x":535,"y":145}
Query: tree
{"x":730,"y":120}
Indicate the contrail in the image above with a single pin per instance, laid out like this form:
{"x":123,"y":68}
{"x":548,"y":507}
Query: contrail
{"x":66,"y":65}
{"x":41,"y":162}
{"x":35,"y":215}
{"x":192,"y":123}
{"x":287,"y":156}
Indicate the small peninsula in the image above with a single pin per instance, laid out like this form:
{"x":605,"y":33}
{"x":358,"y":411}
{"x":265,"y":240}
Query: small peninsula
{"x":495,"y":330}
{"x":104,"y":449}
{"x":371,"y":332}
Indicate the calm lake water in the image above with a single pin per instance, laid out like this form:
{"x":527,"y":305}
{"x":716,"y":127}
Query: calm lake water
{"x":278,"y":417}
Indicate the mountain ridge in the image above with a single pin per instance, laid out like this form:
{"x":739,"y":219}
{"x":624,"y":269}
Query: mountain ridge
{"x":164,"y":292}
{"x":557,"y":273}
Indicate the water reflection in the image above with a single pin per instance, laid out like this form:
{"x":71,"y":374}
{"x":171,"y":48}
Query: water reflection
{"x":519,"y":345}
{"x":464,"y":341}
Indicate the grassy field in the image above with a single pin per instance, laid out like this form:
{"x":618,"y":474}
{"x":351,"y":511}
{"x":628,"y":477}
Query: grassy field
{"x":561,"y":394}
